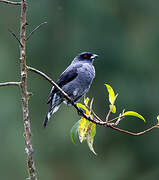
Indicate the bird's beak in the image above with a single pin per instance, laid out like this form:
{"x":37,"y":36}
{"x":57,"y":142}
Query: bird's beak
{"x":94,"y":56}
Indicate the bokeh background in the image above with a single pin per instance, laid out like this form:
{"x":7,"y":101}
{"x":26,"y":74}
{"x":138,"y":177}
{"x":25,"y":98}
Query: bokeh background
{"x":125,"y":34}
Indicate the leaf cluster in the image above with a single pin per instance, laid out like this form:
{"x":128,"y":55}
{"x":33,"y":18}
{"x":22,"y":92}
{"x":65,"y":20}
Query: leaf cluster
{"x":86,"y":130}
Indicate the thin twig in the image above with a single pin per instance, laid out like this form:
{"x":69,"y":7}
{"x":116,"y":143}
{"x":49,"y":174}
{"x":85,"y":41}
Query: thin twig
{"x":107,"y":117}
{"x":10,"y":2}
{"x":15,"y":36}
{"x":119,"y":119}
{"x":97,"y":117}
{"x":94,"y":114}
{"x":35,"y":30}
{"x":10,"y":84}
{"x":116,"y":118}
{"x":132,"y":133}
{"x":51,"y":81}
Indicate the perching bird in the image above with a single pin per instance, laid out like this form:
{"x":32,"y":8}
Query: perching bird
{"x":75,"y":81}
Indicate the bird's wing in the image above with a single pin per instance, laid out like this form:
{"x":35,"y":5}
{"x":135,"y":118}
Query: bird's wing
{"x":67,"y":76}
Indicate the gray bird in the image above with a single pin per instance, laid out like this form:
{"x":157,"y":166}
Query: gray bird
{"x":75,"y":81}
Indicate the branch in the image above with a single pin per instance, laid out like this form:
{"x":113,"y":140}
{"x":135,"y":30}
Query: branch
{"x":10,"y":2}
{"x":35,"y":30}
{"x":95,"y":119}
{"x":25,"y":95}
{"x":10,"y":83}
{"x":107,"y":117}
{"x":132,"y":133}
{"x":50,"y":80}
{"x":15,"y":36}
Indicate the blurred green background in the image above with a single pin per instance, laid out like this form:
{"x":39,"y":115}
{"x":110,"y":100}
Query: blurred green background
{"x":125,"y":34}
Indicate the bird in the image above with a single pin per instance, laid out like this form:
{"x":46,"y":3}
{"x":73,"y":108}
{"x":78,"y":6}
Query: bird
{"x":75,"y":81}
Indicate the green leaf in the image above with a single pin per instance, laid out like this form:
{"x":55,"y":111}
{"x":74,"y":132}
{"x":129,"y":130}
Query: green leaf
{"x":93,"y":129}
{"x":133,"y":113}
{"x":112,"y":96}
{"x":113,"y":108}
{"x":74,"y":131}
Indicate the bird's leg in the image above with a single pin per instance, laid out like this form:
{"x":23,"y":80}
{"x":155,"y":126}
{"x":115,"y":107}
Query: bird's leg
{"x":80,"y":112}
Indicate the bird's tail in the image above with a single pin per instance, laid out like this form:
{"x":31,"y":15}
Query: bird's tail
{"x":54,"y":106}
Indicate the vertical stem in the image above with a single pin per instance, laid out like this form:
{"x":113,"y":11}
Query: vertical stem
{"x":25,"y":94}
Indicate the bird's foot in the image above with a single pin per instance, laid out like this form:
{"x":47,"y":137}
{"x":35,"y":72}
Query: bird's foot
{"x":81,"y":112}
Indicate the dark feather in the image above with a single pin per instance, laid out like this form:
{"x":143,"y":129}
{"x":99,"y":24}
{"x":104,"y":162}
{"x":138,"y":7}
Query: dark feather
{"x":45,"y":121}
{"x":66,"y":77}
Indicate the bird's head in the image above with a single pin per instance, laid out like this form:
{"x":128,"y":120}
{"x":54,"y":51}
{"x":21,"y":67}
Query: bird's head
{"x":85,"y":56}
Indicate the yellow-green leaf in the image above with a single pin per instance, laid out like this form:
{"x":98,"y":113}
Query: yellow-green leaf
{"x":83,"y":129}
{"x":90,"y":144}
{"x":87,"y":131}
{"x":113,"y":108}
{"x":158,"y":120}
{"x":90,"y":136}
{"x":132,"y":113}
{"x":86,"y":100}
{"x":112,"y":96}
{"x":91,"y":104}
{"x":79,"y":105}
{"x":74,"y":131}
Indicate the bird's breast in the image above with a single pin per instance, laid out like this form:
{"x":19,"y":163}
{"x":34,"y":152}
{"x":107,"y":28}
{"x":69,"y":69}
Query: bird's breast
{"x":86,"y":73}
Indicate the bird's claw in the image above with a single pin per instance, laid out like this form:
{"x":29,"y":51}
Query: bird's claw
{"x":81,"y":112}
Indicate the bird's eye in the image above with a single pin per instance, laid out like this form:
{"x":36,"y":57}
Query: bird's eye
{"x":85,"y":56}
